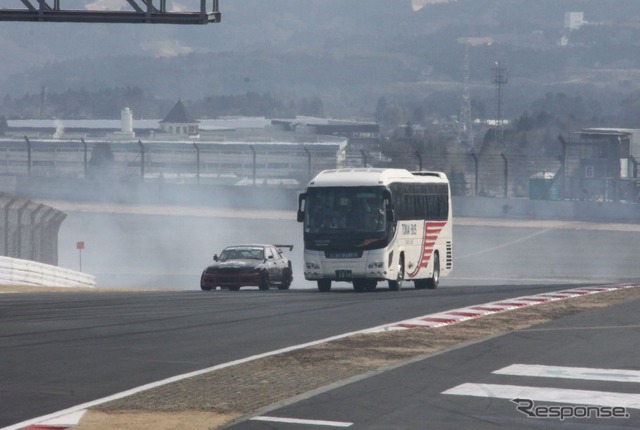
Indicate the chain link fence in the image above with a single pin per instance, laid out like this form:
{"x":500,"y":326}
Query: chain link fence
{"x":487,"y":174}
{"x":255,"y":162}
{"x":29,"y":230}
{"x":292,"y":164}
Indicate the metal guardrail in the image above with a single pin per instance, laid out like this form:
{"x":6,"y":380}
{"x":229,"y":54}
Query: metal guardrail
{"x":14,"y":271}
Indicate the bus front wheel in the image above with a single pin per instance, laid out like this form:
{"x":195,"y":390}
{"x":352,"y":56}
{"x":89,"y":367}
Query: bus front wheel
{"x":324,"y":285}
{"x":397,"y":284}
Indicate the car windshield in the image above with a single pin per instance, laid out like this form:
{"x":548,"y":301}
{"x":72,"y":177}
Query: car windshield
{"x":345,"y":209}
{"x":242,"y":254}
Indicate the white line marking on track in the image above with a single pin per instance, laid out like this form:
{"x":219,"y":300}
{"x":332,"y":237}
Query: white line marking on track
{"x":547,"y":394}
{"x":504,"y":245}
{"x":70,"y":420}
{"x":586,"y":373}
{"x":305,"y":422}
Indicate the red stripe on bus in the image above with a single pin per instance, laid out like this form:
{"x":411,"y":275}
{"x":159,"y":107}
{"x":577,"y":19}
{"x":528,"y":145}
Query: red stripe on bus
{"x":431,"y":232}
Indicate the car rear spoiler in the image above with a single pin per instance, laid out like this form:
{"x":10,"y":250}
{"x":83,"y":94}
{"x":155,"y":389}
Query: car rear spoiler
{"x":284,"y":246}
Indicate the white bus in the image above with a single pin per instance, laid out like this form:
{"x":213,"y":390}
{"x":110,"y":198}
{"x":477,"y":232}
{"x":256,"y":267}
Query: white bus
{"x":365,"y":225}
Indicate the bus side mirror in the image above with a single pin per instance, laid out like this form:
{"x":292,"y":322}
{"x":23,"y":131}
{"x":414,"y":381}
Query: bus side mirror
{"x":391,"y":214}
{"x":302,"y":198}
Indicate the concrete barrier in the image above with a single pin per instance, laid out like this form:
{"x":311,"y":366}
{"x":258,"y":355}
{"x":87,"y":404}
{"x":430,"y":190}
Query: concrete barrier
{"x":14,"y":271}
{"x":566,"y":210}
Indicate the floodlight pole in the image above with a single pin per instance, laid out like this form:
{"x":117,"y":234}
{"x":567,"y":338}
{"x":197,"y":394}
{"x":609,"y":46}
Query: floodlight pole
{"x":254,"y":164}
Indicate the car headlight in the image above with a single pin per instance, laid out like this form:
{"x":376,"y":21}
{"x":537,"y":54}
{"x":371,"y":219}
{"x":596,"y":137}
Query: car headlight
{"x":376,"y":265}
{"x":313,"y":266}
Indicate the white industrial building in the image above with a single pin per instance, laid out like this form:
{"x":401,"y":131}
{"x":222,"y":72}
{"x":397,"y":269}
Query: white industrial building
{"x":175,"y":149}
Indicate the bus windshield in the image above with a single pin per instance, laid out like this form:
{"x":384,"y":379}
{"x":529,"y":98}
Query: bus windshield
{"x":345,"y":209}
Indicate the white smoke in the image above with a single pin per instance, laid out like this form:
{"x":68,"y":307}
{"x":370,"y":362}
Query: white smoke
{"x":59,"y":133}
{"x":420,"y":4}
{"x":165,"y":48}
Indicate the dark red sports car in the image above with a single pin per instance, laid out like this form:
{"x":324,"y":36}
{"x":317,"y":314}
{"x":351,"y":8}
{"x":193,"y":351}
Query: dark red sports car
{"x":249,"y":265}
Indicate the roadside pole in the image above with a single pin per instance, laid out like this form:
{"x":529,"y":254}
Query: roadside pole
{"x":80,"y":247}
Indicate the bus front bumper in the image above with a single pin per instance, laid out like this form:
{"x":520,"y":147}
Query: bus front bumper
{"x":317,"y":266}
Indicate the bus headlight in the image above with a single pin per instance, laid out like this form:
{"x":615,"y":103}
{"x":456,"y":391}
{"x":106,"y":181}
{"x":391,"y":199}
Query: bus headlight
{"x":376,"y":265}
{"x":313,"y":266}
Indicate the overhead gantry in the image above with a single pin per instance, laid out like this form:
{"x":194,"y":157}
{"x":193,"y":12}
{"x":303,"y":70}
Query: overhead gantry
{"x":141,"y":12}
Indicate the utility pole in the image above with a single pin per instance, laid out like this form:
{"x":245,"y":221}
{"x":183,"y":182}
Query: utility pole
{"x":500,"y":79}
{"x":465,"y":131}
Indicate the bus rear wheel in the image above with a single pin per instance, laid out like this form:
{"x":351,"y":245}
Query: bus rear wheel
{"x":432,"y":283}
{"x":324,"y":285}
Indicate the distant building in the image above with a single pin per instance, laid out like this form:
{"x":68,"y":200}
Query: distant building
{"x":126,"y":130}
{"x":360,"y":135}
{"x":224,"y":151}
{"x":573,"y":20}
{"x":180,"y":122}
{"x":601,"y":164}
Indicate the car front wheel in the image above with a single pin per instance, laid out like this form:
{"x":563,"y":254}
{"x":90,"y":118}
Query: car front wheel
{"x":324,"y":285}
{"x":287,"y":278}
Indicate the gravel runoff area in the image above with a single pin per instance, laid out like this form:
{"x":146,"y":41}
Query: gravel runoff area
{"x":216,"y":399}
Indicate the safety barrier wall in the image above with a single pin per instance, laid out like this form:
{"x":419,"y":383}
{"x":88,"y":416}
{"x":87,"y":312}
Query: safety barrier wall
{"x":568,"y":210}
{"x":14,"y":271}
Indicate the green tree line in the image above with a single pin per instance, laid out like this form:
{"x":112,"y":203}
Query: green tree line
{"x":107,"y":104}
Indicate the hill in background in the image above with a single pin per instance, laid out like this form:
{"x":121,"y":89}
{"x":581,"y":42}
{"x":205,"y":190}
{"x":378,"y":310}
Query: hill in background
{"x":349,"y":53}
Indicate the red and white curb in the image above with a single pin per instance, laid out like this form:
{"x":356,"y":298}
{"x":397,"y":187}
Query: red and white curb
{"x":464,"y":314}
